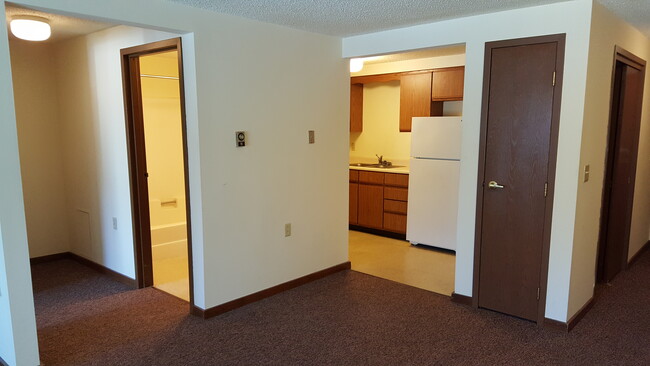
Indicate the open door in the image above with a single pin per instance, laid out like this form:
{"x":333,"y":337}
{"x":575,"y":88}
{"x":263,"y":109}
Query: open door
{"x":145,"y":129}
{"x":620,"y":171}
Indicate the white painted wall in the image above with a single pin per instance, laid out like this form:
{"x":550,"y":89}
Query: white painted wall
{"x":95,"y":153}
{"x":607,"y":32}
{"x":41,"y":146}
{"x":18,"y":342}
{"x":572,"y":18}
{"x":274,"y":82}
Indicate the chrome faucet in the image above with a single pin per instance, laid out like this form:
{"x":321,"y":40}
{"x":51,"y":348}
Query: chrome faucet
{"x":381,"y":161}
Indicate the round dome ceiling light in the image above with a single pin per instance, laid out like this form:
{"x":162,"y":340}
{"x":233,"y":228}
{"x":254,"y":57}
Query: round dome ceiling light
{"x":30,"y":28}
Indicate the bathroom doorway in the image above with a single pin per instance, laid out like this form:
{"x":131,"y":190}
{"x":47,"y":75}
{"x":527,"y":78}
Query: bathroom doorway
{"x":153,"y":88}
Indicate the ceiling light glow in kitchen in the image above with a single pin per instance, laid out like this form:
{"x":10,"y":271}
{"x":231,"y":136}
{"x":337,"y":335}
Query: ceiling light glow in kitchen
{"x":30,"y":28}
{"x":356,"y":64}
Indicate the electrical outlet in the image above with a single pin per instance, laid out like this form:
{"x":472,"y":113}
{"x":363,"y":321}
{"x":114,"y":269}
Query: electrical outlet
{"x":311,"y":137}
{"x":114,"y":223}
{"x":287,"y":229}
{"x":353,"y":146}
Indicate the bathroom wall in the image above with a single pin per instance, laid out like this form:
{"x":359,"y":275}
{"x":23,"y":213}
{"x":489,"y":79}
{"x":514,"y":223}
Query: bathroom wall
{"x":163,"y":139}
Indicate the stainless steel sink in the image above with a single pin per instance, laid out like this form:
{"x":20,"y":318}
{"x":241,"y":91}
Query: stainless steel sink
{"x":378,"y":166}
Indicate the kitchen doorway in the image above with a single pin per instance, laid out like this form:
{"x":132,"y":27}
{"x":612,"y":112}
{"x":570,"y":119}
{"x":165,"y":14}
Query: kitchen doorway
{"x":400,"y":228}
{"x":153,"y":86}
{"x":620,"y":172}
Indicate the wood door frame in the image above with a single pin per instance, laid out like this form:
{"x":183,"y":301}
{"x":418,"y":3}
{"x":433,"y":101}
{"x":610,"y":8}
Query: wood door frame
{"x":555,"y":124}
{"x":623,"y":56}
{"x":137,"y":158}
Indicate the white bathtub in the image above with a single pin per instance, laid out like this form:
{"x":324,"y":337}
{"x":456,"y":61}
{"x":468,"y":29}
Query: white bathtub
{"x":169,"y":241}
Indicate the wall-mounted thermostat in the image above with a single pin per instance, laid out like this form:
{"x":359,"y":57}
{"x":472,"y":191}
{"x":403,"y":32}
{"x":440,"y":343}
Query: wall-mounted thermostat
{"x":240,"y":138}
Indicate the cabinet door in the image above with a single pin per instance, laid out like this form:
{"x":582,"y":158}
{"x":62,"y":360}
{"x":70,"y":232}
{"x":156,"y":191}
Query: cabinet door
{"x":354,"y":203}
{"x":371,"y":206}
{"x":415,"y":98}
{"x":356,"y":107}
{"x":447,"y":84}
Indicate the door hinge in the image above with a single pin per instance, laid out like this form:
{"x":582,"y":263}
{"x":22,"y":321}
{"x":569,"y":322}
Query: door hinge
{"x":554,"y":74}
{"x":545,"y":189}
{"x":538,"y":293}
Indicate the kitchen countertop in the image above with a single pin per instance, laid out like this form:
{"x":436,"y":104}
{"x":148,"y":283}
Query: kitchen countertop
{"x":399,"y":170}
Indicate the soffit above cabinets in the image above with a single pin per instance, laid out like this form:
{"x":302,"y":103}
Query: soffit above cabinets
{"x":351,"y":17}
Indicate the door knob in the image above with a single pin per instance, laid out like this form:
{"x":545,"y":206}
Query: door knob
{"x":495,"y":185}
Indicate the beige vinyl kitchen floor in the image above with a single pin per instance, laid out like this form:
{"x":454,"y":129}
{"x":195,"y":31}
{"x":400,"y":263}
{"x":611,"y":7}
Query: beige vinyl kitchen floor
{"x":399,"y":261}
{"x":172,"y":276}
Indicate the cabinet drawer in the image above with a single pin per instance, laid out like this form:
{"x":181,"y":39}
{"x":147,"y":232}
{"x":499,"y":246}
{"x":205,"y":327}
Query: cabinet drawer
{"x":395,"y":222}
{"x":396,"y":180}
{"x":354,"y":176}
{"x":395,"y":206}
{"x":398,"y":194}
{"x":371,"y":177}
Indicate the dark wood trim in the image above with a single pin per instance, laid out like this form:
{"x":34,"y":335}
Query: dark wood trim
{"x":555,"y":325}
{"x":628,"y":58}
{"x":560,"y":39}
{"x":104,"y":270}
{"x":575,"y":319}
{"x":49,"y":258}
{"x":249,"y":299}
{"x":137,"y":158}
{"x":461,"y":299}
{"x":638,"y":254}
{"x":88,"y":263}
{"x":388,"y":234}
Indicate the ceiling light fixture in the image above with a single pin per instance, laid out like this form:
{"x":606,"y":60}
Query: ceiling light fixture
{"x":30,"y":28}
{"x":356,"y":64}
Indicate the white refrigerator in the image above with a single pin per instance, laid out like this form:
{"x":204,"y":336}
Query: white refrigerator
{"x":433,"y":181}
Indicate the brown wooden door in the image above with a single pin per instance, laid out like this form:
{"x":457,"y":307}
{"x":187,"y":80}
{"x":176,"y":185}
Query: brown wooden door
{"x":618,"y":192}
{"x":517,"y":147}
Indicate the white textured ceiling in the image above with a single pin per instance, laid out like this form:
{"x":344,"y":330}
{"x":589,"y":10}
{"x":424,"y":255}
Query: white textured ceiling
{"x":63,"y":27}
{"x":351,"y":17}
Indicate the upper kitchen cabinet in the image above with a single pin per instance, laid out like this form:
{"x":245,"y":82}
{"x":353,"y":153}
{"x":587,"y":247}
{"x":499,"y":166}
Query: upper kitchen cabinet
{"x":447,"y":84}
{"x":415,"y":99}
{"x":356,"y":107}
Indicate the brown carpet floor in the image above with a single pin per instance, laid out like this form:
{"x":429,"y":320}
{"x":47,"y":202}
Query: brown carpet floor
{"x":85,"y":318}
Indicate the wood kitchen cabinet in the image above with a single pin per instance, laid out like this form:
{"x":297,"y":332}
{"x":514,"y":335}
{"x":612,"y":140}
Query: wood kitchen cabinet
{"x":395,"y":202}
{"x":371,"y":200}
{"x":381,"y":200}
{"x":415,"y":99}
{"x":354,"y":196}
{"x":447,"y":84}
{"x":356,"y":107}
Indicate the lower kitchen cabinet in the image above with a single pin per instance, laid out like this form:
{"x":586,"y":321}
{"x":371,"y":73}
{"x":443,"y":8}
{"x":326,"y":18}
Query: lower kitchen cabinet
{"x":354,"y":196}
{"x":371,"y":206}
{"x":378,"y":200}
